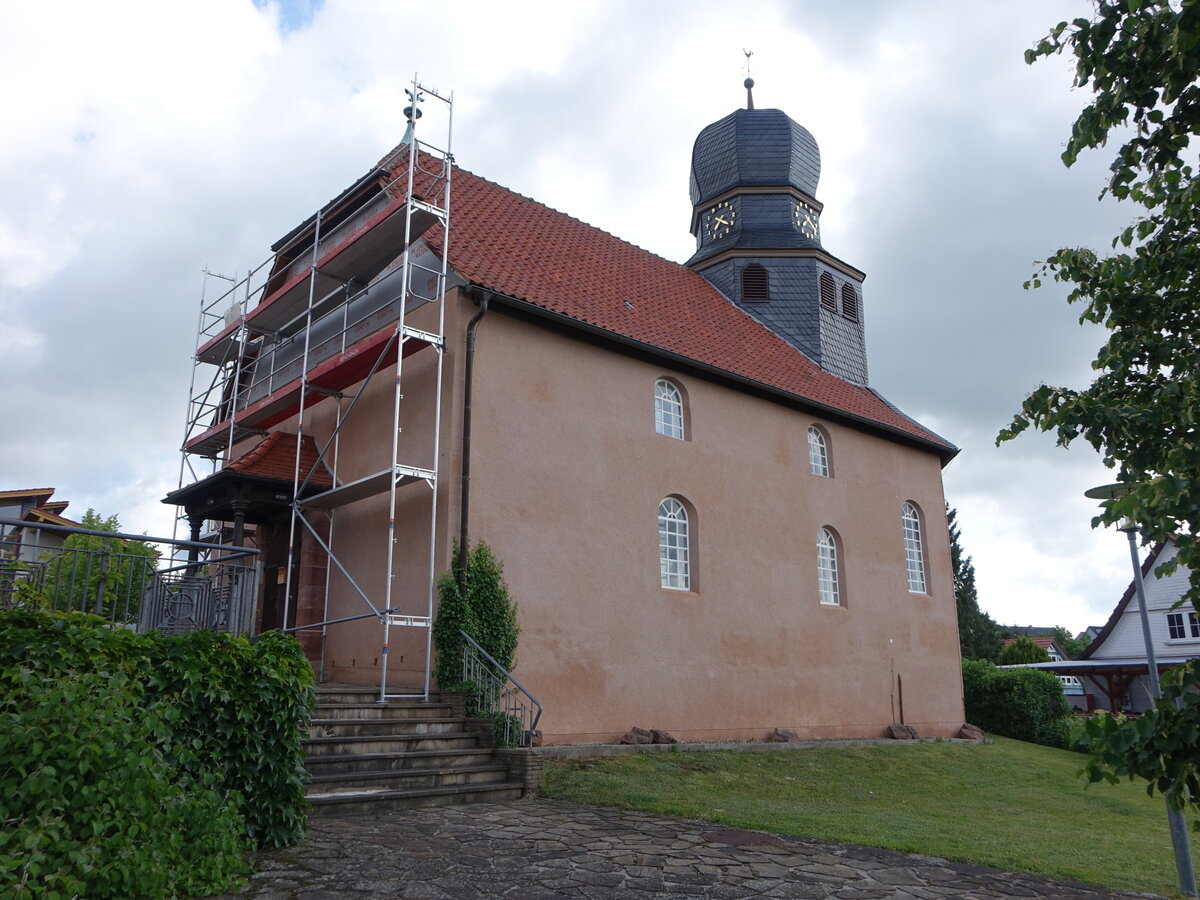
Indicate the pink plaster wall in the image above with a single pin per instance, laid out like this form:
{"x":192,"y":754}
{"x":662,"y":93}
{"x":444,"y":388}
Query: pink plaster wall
{"x":567,"y":477}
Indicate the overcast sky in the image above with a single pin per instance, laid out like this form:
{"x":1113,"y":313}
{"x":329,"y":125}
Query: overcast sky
{"x":144,"y":141}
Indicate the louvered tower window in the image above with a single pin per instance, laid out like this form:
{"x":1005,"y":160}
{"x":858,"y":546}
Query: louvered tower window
{"x":849,"y":302}
{"x":828,"y":292}
{"x":756,"y":284}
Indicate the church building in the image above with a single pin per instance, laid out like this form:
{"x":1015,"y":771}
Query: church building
{"x":710,"y":520}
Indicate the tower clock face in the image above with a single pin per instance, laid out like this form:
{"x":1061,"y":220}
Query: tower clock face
{"x":806,"y":220}
{"x":719,"y":220}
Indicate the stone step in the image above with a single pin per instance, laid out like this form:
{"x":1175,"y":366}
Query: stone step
{"x":391,"y":743}
{"x":333,"y":764}
{"x":372,"y":801}
{"x":356,"y":727}
{"x":361,"y":693}
{"x":406,"y":779}
{"x":389,"y":710}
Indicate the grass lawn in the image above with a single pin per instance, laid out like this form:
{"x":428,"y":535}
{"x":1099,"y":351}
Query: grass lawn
{"x":1008,"y":804}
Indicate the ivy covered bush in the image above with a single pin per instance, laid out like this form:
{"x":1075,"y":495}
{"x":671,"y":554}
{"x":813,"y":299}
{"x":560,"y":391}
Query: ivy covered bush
{"x":478,"y":602}
{"x":143,"y":765}
{"x":1025,"y":704}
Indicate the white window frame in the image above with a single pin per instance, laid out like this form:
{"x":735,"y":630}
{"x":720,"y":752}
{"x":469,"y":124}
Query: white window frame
{"x":914,"y":548}
{"x":828,"y":583}
{"x":1189,"y":627}
{"x":674,"y":546}
{"x":668,"y":409}
{"x":818,"y":452}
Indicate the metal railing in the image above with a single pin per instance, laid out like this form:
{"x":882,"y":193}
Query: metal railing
{"x":121,"y":581}
{"x":494,"y":692}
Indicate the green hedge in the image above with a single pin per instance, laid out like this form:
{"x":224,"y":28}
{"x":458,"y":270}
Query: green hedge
{"x":1025,"y":704}
{"x":144,"y":765}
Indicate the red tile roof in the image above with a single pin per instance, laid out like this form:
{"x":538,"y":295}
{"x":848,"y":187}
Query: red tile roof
{"x":275,"y":457}
{"x":518,"y":247}
{"x":1044,"y":642}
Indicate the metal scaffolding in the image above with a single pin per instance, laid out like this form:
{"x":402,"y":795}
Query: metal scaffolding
{"x":328,"y":311}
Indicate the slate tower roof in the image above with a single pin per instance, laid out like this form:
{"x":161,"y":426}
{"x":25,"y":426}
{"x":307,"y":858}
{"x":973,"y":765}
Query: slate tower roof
{"x":756,"y":219}
{"x":754,"y":147}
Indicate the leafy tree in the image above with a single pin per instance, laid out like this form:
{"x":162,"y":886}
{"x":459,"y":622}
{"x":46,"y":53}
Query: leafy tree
{"x":1141,"y":61}
{"x":978,"y":633}
{"x":1022,"y":650}
{"x":1071,"y":646}
{"x":102,"y":575}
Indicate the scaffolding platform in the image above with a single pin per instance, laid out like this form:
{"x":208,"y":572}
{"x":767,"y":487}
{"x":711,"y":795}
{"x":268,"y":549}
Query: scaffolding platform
{"x":332,"y":375}
{"x":319,"y":321}
{"x":350,"y":256}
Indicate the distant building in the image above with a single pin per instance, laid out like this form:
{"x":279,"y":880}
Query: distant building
{"x":1114,"y":669}
{"x":31,"y":505}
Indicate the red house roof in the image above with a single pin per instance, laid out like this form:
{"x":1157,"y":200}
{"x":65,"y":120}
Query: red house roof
{"x":523,"y":249}
{"x":275,"y":457}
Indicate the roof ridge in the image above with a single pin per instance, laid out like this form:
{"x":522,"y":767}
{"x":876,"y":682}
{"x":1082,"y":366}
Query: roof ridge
{"x":576,"y":219}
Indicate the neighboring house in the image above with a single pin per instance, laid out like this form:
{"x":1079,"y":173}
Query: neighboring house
{"x":1072,"y":687}
{"x":23,"y":549}
{"x":35,"y":506}
{"x":1049,"y":644}
{"x":1113,"y":667}
{"x":711,"y":522}
{"x":1175,"y":633}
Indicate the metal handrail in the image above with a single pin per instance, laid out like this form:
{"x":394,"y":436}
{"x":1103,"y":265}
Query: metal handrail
{"x":497,"y":695}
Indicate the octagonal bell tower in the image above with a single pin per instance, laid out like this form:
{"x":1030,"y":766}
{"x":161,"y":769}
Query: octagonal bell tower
{"x":756,"y":219}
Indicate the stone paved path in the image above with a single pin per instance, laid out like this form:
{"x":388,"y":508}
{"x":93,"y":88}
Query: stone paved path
{"x":549,"y":848}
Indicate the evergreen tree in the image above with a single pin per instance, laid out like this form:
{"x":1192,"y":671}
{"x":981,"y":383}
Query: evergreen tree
{"x":978,"y":634}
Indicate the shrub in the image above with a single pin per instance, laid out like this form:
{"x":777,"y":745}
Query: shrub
{"x":143,"y":765}
{"x":90,"y":807}
{"x":454,"y":613}
{"x":494,"y":612}
{"x":480,"y":605}
{"x":1022,"y":650}
{"x":1025,"y":704}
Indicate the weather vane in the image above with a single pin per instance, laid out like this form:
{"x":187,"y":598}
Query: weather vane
{"x":749,"y":82}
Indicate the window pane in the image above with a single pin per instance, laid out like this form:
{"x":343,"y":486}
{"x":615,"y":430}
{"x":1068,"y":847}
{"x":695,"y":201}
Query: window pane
{"x":1194,"y":623}
{"x":1175,"y":626}
{"x":673,"y":553}
{"x":827,"y":571}
{"x":818,"y":460}
{"x":668,"y":409}
{"x":914,"y":557}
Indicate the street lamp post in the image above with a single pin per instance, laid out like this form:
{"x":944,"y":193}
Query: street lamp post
{"x":1175,"y":818}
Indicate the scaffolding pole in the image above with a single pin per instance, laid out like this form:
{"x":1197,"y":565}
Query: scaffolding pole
{"x":277,"y":351}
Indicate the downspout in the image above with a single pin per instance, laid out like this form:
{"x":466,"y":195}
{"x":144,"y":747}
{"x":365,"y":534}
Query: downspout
{"x":465,"y":493}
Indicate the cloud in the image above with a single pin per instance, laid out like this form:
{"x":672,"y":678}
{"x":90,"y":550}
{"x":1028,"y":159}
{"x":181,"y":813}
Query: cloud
{"x":150,"y":140}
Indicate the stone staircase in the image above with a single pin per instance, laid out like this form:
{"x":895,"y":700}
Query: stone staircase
{"x":364,"y":756}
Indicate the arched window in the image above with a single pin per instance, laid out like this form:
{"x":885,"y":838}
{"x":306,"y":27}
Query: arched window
{"x":828,"y":291}
{"x":849,"y":302}
{"x":674,"y":549}
{"x":818,"y":452}
{"x":756,"y":284}
{"x":827,"y":568}
{"x":914,"y":551}
{"x":668,"y":409}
